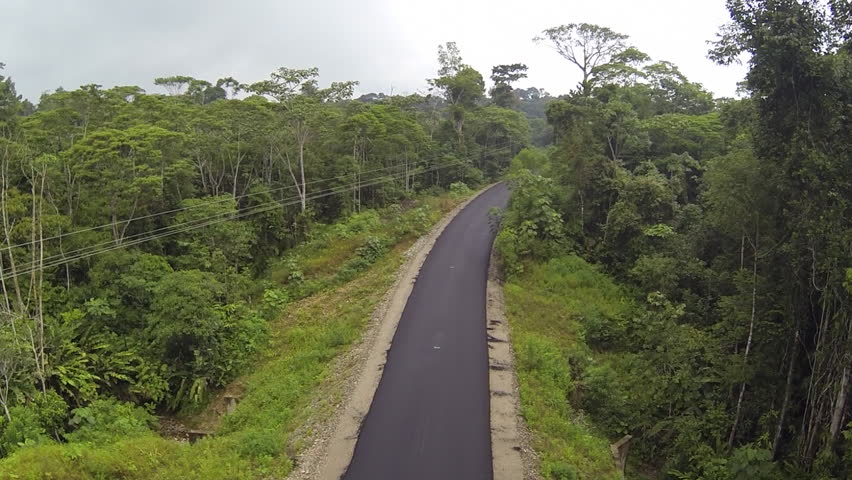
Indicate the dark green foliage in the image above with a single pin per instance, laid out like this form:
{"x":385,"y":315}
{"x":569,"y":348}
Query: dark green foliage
{"x":148,"y":239}
{"x":727,"y":226}
{"x":531,"y":227}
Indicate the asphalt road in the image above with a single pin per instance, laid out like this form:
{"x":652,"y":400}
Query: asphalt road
{"x":430,"y":415}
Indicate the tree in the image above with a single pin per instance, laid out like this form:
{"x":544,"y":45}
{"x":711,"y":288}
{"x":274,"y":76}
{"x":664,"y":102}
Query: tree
{"x":175,"y":84}
{"x":502,"y":133}
{"x":449,"y":58}
{"x":503,"y":76}
{"x":671,"y":92}
{"x":128,"y":166}
{"x":230,"y":83}
{"x":595,"y":50}
{"x":300,"y":101}
{"x":9,"y":100}
{"x":460,"y":84}
{"x":796,"y":65}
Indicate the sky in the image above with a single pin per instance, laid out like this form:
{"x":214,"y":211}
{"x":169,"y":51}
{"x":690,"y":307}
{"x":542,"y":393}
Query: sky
{"x":388,"y":46}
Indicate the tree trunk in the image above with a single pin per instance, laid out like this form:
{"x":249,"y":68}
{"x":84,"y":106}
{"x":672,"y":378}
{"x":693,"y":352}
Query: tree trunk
{"x":794,"y":348}
{"x":748,"y":342}
{"x":303,"y":138}
{"x":839,"y":405}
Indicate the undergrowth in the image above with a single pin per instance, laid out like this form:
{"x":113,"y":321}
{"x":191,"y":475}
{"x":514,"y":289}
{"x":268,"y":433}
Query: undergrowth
{"x":318,"y":298}
{"x":553,"y":308}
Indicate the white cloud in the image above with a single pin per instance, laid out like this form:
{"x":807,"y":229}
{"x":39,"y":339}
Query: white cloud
{"x":384,"y":44}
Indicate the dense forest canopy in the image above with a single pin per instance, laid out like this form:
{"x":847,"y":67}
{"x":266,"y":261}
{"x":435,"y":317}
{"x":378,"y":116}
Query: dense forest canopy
{"x":710,"y":237}
{"x":727,"y":222}
{"x":137,"y":226}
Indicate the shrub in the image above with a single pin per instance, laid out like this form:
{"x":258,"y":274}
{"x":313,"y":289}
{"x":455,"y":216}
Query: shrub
{"x":560,"y":471}
{"x":105,"y":420}
{"x":25,"y":429}
{"x":52,"y":412}
{"x":260,"y":443}
{"x":373,"y":249}
{"x":365,"y":221}
{"x":459,"y":189}
{"x":274,"y":300}
{"x":416,"y":221}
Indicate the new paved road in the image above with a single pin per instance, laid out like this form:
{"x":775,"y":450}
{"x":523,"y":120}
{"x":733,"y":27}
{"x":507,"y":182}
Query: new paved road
{"x":430,"y":415}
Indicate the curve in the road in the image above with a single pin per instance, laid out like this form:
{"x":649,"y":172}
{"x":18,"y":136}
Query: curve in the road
{"x":430,"y":415}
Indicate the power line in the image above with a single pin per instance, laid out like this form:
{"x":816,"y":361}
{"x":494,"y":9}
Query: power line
{"x":343,"y":189}
{"x":221,"y":200}
{"x":255,"y":210}
{"x":190,"y":222}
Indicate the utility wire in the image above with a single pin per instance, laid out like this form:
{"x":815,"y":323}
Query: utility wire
{"x":225,"y":199}
{"x":146,"y":237}
{"x":344,"y":189}
{"x":107,"y":243}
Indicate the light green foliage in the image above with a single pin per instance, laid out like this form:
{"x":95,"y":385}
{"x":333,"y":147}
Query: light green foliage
{"x":698,"y":135}
{"x":533,"y":159}
{"x":280,"y":393}
{"x":459,"y":189}
{"x":463,"y":88}
{"x":24,"y":430}
{"x":671,"y":92}
{"x":104,"y":421}
{"x":531,"y":227}
{"x":552,"y":307}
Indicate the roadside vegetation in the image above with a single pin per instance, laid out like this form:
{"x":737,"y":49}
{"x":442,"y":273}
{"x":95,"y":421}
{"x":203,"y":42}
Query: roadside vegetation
{"x":678,"y":267}
{"x":161,"y":250}
{"x":320,"y":298}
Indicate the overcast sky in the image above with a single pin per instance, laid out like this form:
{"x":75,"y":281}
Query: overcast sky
{"x":384,"y":44}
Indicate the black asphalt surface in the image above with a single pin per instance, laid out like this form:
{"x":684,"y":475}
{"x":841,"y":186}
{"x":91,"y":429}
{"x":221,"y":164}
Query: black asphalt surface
{"x":430,"y":415}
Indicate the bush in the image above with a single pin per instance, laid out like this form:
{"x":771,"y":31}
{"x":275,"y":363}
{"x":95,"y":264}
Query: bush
{"x":459,"y":189}
{"x":274,"y":300}
{"x":105,"y":420}
{"x":365,"y":221}
{"x":25,"y":429}
{"x":295,"y":274}
{"x":560,"y":471}
{"x":542,"y":358}
{"x":52,"y":412}
{"x":415,"y":221}
{"x":373,"y":249}
{"x":260,"y":443}
{"x":603,"y":331}
{"x":506,"y":244}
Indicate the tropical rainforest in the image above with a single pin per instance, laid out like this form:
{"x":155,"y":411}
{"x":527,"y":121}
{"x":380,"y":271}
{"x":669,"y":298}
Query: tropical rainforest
{"x":677,"y":267}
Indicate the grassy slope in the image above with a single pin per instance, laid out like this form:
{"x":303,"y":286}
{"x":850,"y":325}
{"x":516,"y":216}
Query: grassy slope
{"x":281,"y":393}
{"x":548,"y":306}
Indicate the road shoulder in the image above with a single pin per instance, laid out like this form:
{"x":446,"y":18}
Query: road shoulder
{"x":512,"y":455}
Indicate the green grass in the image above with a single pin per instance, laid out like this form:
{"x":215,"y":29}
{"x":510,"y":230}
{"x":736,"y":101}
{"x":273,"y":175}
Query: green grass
{"x":554,"y":309}
{"x":339,"y":284}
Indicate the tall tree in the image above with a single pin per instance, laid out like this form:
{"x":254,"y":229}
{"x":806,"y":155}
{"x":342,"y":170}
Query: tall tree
{"x":503,"y":76}
{"x":460,"y":84}
{"x":592,"y":48}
